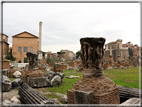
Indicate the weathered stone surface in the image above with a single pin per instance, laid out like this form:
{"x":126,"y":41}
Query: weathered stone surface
{"x":82,"y":97}
{"x":60,"y":74}
{"x":4,"y":72}
{"x":131,"y":101}
{"x":51,"y":74}
{"x":32,"y":58}
{"x":16,"y":83}
{"x":15,"y":100}
{"x":6,"y":83}
{"x":7,"y":102}
{"x":17,"y":74}
{"x":38,"y":82}
{"x":56,"y":80}
{"x":64,"y":98}
{"x":72,"y":76}
{"x":104,"y":90}
{"x":92,"y":55}
{"x":55,"y":100}
{"x":30,"y":96}
{"x":14,"y":63}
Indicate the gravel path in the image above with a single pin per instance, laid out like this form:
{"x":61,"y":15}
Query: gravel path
{"x":8,"y":95}
{"x":14,"y":92}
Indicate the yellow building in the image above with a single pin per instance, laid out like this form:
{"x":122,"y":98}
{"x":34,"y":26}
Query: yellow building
{"x":5,"y":45}
{"x":22,"y":43}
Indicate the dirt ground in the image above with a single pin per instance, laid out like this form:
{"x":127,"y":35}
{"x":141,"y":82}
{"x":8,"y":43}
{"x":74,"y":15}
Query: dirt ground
{"x":14,"y":92}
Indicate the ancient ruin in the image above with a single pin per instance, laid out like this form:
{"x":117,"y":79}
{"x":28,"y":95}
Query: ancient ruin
{"x":32,"y":58}
{"x":93,"y":84}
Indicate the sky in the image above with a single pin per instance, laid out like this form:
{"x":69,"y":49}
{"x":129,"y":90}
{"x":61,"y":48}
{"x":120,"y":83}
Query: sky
{"x":63,"y":24}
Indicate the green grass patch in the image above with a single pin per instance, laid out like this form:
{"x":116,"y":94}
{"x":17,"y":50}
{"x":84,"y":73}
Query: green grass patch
{"x":123,"y":77}
{"x":11,"y":79}
{"x":67,"y":83}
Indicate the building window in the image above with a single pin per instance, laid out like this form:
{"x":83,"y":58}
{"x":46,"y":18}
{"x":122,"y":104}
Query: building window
{"x":25,"y":60}
{"x":25,"y":49}
{"x":19,"y":49}
{"x":31,"y":49}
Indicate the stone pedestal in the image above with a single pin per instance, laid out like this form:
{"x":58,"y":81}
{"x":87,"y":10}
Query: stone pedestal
{"x":32,"y":58}
{"x":93,"y":84}
{"x":104,"y":90}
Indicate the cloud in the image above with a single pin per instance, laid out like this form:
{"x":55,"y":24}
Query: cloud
{"x":65,"y":23}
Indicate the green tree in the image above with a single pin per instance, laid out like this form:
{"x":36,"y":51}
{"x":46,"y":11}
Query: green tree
{"x":19,"y":61}
{"x":60,"y":53}
{"x":10,"y":57}
{"x":78,"y":54}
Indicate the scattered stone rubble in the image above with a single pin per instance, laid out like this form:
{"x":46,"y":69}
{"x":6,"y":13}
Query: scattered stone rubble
{"x":6,"y":84}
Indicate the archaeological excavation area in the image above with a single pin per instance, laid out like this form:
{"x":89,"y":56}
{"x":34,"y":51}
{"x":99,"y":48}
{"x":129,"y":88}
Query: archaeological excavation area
{"x":84,"y":78}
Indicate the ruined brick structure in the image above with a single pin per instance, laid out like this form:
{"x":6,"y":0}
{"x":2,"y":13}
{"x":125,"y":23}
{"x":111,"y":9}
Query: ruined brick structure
{"x":93,"y":83}
{"x":5,"y":45}
{"x":118,"y":49}
{"x":68,"y":54}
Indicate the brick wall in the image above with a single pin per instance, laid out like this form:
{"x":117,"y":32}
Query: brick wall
{"x":72,"y":64}
{"x":63,"y":67}
{"x":5,"y":65}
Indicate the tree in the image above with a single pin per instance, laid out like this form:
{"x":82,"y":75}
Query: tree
{"x":78,"y":54}
{"x":10,"y":57}
{"x":19,"y":61}
{"x":60,"y":53}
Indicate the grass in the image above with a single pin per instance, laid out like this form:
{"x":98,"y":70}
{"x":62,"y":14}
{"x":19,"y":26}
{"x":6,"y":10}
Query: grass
{"x":123,"y":77}
{"x":11,"y":79}
{"x":67,"y":83}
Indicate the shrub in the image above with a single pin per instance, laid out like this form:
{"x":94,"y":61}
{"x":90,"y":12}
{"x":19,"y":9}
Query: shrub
{"x":10,"y":57}
{"x":19,"y":61}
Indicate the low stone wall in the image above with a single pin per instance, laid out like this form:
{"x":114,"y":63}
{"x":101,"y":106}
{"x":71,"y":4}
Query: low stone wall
{"x":106,"y":65}
{"x":57,"y":68}
{"x":126,"y":64}
{"x":63,"y":67}
{"x":51,"y":64}
{"x":117,"y":65}
{"x":44,"y":62}
{"x":78,"y":62}
{"x":5,"y":65}
{"x":72,"y":64}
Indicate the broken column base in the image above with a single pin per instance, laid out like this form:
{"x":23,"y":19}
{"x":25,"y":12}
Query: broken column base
{"x":94,"y":90}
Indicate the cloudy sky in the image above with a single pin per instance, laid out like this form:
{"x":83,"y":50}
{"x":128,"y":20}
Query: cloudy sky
{"x":65,"y":23}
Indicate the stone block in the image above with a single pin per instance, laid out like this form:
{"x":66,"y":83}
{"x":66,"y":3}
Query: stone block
{"x":56,"y":80}
{"x":6,"y":84}
{"x":70,"y":96}
{"x":38,"y":81}
{"x":82,"y":97}
{"x":4,"y":72}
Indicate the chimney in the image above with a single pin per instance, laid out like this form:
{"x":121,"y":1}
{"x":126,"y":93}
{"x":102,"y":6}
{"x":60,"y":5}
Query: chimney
{"x":40,"y":26}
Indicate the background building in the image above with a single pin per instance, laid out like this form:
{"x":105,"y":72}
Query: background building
{"x":123,"y":50}
{"x":22,"y":43}
{"x":5,"y":45}
{"x":116,"y":49}
{"x":68,"y":54}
